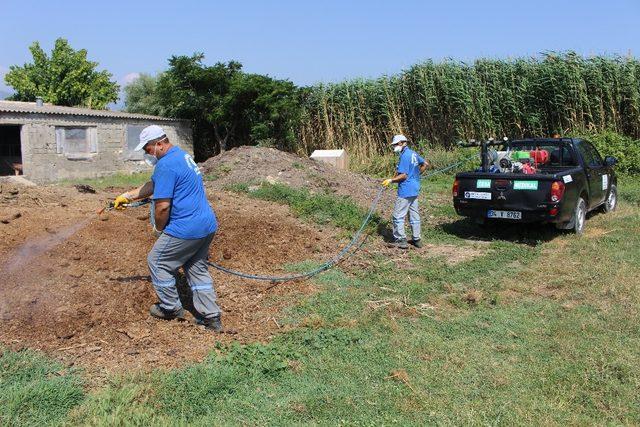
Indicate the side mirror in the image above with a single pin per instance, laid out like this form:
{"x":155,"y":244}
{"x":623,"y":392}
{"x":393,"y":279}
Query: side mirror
{"x":610,"y":161}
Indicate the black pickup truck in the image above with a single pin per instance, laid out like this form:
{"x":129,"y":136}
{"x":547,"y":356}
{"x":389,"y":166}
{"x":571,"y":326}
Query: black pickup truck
{"x":554,"y":180}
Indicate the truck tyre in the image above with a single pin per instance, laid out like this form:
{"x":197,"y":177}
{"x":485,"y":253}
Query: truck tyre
{"x":579,"y":216}
{"x":612,"y":201}
{"x":576,"y":223}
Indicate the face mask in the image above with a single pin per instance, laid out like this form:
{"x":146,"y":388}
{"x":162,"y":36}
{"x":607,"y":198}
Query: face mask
{"x":149,"y":159}
{"x":397,"y":148}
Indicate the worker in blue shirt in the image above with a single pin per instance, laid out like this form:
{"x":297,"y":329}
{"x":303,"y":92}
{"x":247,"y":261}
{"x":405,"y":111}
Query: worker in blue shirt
{"x":410,"y":166}
{"x":185,"y":225}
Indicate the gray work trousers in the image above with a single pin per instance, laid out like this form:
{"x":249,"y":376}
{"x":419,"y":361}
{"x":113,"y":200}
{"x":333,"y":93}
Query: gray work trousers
{"x":167,"y":256}
{"x":400,"y":209}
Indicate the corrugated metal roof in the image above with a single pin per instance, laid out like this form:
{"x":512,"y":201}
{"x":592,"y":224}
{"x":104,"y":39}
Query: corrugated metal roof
{"x":32,"y":108}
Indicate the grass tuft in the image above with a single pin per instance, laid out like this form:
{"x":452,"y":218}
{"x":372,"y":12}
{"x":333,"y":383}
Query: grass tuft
{"x":36,"y":390}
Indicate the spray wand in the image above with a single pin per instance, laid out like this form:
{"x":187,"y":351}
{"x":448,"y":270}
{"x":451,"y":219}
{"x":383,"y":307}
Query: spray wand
{"x":135,"y":204}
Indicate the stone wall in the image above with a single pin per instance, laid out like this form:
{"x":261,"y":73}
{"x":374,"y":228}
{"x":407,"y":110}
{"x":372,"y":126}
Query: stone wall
{"x":42,"y":163}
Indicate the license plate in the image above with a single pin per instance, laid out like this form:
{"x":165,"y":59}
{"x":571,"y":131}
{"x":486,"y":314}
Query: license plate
{"x":504,"y":214}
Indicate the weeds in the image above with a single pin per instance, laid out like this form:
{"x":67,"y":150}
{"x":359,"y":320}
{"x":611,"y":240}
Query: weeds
{"x":321,"y":208}
{"x":241,"y":187}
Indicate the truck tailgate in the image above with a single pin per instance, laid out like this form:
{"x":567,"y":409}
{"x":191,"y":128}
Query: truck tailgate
{"x":506,"y":191}
{"x":508,"y":196}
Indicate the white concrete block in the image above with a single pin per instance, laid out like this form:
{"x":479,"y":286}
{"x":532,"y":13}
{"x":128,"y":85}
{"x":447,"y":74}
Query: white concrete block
{"x":337,"y":158}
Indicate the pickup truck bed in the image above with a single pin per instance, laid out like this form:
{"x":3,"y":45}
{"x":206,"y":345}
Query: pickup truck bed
{"x":561,"y":191}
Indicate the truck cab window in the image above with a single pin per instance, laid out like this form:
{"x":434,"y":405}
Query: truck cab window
{"x":588,"y":154}
{"x":596,"y":160}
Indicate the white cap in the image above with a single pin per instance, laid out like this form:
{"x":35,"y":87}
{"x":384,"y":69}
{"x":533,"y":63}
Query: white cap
{"x":397,"y":139}
{"x":149,"y":134}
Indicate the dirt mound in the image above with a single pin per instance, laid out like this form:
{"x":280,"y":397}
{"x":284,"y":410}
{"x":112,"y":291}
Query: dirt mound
{"x":257,"y":164}
{"x":76,"y":285}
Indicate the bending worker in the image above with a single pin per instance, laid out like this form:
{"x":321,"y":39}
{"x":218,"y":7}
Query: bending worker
{"x":410,"y":166}
{"x":185,"y":224}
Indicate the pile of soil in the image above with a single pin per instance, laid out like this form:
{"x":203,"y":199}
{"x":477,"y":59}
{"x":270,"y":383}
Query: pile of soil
{"x":253,"y":165}
{"x":75,"y":284}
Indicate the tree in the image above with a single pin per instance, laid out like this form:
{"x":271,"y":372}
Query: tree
{"x":227,"y":107}
{"x":267,"y":110}
{"x":141,"y":96}
{"x":191,"y":90}
{"x":65,"y":78}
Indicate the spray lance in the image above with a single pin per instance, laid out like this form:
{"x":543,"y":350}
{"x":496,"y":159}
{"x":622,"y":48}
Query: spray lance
{"x":135,"y":204}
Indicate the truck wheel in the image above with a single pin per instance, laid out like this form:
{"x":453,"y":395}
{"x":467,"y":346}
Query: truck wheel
{"x":576,"y":223}
{"x":579,"y":216}
{"x":612,"y":201}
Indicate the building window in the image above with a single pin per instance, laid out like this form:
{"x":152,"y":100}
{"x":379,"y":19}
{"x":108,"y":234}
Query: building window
{"x":133,"y":138}
{"x":76,"y":143}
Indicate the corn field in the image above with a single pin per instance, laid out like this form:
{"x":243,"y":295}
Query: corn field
{"x":441,"y":103}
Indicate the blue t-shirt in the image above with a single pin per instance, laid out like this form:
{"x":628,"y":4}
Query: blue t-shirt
{"x":177,"y":177}
{"x":409,"y":164}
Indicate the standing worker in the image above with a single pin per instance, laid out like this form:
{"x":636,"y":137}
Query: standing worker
{"x":185,"y":224}
{"x":410,"y":166}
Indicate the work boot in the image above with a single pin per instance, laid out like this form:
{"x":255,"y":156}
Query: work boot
{"x":160,"y":313}
{"x":417,"y":243}
{"x":212,"y":323}
{"x":400,"y":244}
{"x":215,"y":324}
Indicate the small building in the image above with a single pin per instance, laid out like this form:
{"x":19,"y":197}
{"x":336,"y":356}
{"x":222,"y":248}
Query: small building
{"x":46,"y":142}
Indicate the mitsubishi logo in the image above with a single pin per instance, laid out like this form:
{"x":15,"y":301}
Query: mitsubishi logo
{"x":502,"y":196}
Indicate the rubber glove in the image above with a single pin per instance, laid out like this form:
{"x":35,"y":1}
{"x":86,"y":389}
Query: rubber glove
{"x":386,"y":182}
{"x":121,"y":200}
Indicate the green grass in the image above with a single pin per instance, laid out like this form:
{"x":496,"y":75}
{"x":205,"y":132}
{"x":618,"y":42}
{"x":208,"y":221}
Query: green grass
{"x":119,"y":180}
{"x":218,"y":172}
{"x":541,"y":327}
{"x":237,"y":187}
{"x":629,"y":190}
{"x":35,"y":390}
{"x":320,"y":208}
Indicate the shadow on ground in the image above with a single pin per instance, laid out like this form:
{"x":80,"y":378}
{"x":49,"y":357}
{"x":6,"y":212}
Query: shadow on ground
{"x":528,"y":234}
{"x":385,"y":231}
{"x":466,"y":228}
